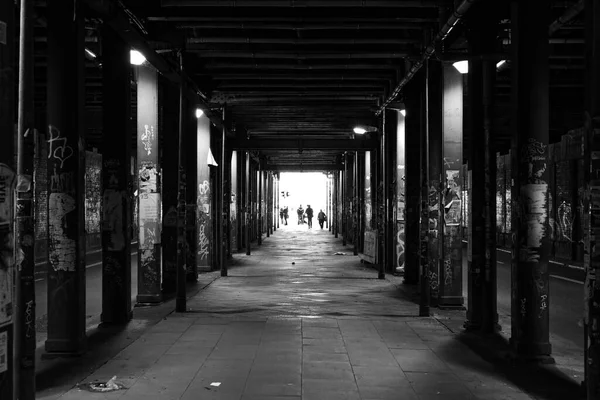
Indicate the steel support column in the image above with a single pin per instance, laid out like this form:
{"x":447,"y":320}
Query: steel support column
{"x":66,"y":171}
{"x":399,"y":173}
{"x":424,"y":301}
{"x":25,"y":279}
{"x":260,"y":201}
{"x":149,"y":187}
{"x":434,"y":133}
{"x":116,"y":179}
{"x":345,"y":201}
{"x":180,"y":263}
{"x":336,"y":178}
{"x":481,"y":307}
{"x":222,"y":193}
{"x":592,"y":203}
{"x":413,"y":124}
{"x":248,"y":205}
{"x":9,"y":379}
{"x":531,"y":247}
{"x":355,"y":205}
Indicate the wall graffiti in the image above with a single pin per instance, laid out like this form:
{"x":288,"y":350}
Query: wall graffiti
{"x":114,"y":203}
{"x":400,"y":246}
{"x":448,"y":272}
{"x":93,"y":188}
{"x":151,"y":275}
{"x":7,"y":181}
{"x":147,"y":138}
{"x":204,"y":223}
{"x":58,"y":147}
{"x":62,"y":248}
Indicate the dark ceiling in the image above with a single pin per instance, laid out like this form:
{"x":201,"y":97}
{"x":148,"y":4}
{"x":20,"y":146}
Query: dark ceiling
{"x":306,"y":70}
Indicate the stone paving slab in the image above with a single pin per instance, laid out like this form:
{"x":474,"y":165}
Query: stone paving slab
{"x":321,"y":328}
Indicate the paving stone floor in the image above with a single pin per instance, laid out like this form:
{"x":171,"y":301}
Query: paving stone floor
{"x":295,"y":321}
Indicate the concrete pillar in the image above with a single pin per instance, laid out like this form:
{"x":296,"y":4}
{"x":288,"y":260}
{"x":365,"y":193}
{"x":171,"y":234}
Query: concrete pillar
{"x":66,"y":170}
{"x":7,"y":186}
{"x":203,"y":201}
{"x":530,"y":100}
{"x":355,"y":204}
{"x":434,"y":134}
{"x":400,"y":193}
{"x":149,"y":187}
{"x":344,"y":193}
{"x":222,"y":193}
{"x":481,"y":308}
{"x":233,"y":205}
{"x":248,"y":205}
{"x":191,"y":190}
{"x":592,"y":203}
{"x":389,"y":178}
{"x":451,"y":270}
{"x":168,"y":102}
{"x":412,"y":127}
{"x":260,"y":203}
{"x":116,"y":179}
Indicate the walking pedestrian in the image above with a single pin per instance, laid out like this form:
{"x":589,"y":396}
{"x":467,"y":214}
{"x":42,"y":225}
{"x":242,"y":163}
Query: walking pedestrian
{"x":300,"y":212}
{"x":285,"y":214}
{"x":309,"y":215}
{"x":322,"y":218}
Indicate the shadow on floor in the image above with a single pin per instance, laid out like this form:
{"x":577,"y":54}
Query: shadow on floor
{"x":540,"y":380}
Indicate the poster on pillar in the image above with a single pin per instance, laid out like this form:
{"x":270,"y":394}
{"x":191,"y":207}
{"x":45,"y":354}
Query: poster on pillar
{"x":7,"y":182}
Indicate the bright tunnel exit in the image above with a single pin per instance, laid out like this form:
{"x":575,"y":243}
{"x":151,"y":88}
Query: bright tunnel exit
{"x":303,"y":188}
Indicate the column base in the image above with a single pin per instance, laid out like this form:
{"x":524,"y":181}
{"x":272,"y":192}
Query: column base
{"x":143,"y":300}
{"x":61,"y":348}
{"x":451,"y":303}
{"x":119,"y":319}
{"x":524,"y":352}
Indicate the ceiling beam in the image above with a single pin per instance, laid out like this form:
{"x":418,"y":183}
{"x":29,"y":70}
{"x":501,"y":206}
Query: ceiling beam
{"x":200,"y":17}
{"x":278,"y":99}
{"x":301,"y":144}
{"x":253,"y":76}
{"x":245,"y":66}
{"x":305,"y":3}
{"x":321,"y":26}
{"x":115,"y":16}
{"x":303,"y":167}
{"x":302,"y":41}
{"x":298,"y":55}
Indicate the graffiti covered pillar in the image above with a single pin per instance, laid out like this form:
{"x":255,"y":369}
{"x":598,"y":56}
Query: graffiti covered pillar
{"x":116,"y":179}
{"x":400,"y":193}
{"x":191,"y":190}
{"x":412,"y":129}
{"x":168,"y":103}
{"x":355,"y":204}
{"x":66,"y":171}
{"x":203,"y":201}
{"x":592,"y":203}
{"x":530,"y":86}
{"x":233,"y":203}
{"x":451,"y":271}
{"x":434,"y":127}
{"x":260,"y":202}
{"x":7,"y":182}
{"x":149,"y":181}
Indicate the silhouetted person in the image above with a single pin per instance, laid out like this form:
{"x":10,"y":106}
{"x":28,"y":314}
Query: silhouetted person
{"x":285,"y":214}
{"x":322,"y":218}
{"x":309,"y":215}
{"x":300,"y":213}
{"x":281,"y":214}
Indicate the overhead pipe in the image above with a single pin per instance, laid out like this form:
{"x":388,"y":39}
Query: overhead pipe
{"x":454,"y":20}
{"x":303,"y":3}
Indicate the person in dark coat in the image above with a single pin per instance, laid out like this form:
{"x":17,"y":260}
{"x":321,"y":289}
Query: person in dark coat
{"x":309,"y":215}
{"x":300,"y":212}
{"x":322,"y":218}
{"x":285,"y":214}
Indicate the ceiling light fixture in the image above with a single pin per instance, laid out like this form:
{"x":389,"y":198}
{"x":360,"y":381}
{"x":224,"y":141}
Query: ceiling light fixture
{"x":199,"y":112}
{"x":403,"y":112}
{"x":136,"y":58}
{"x":500,"y":63}
{"x":90,"y":53}
{"x":359,"y":131}
{"x":462,"y":66}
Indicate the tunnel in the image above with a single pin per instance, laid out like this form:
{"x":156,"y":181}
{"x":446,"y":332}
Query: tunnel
{"x":299,"y":199}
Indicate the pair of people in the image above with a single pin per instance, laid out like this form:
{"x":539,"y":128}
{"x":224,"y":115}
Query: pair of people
{"x":309,"y":213}
{"x":283,"y":214}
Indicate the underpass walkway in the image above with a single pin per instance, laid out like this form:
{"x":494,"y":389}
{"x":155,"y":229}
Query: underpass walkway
{"x":300,"y":318}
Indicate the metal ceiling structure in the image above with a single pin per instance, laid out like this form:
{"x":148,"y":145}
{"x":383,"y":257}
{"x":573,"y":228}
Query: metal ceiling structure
{"x":294,"y":71}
